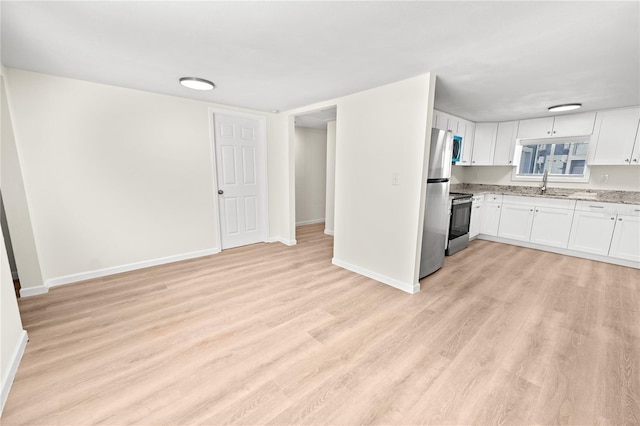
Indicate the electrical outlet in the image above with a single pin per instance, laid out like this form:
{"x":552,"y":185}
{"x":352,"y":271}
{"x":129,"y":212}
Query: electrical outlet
{"x":395,"y":179}
{"x":604,"y":178}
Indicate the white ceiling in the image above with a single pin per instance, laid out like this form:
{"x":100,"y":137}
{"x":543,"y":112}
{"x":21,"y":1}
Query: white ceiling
{"x":494,"y":60}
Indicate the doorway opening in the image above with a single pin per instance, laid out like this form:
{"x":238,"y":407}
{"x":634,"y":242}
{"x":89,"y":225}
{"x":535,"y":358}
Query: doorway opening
{"x":315,"y":143}
{"x":9,"y":248}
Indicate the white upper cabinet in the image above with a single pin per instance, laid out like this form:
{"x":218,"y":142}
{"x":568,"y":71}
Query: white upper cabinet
{"x":484,"y":142}
{"x":467,"y":143}
{"x":560,"y":126}
{"x":505,"y":143}
{"x":535,"y":128}
{"x":440,"y":120}
{"x":616,"y":132}
{"x":459,"y":127}
{"x":635,"y":155}
{"x":573,"y":124}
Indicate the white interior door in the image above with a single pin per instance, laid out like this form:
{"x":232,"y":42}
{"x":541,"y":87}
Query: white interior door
{"x":240,"y":164}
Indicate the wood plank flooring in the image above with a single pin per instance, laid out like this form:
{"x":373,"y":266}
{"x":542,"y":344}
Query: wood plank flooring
{"x":270,"y":334}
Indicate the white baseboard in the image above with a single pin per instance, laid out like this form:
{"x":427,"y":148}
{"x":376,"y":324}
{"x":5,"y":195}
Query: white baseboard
{"x":82,"y":276}
{"x":282,"y":240}
{"x":7,"y":379}
{"x":33,"y":291}
{"x":406,"y":287}
{"x":310,"y":222}
{"x":566,"y":252}
{"x":328,"y":232}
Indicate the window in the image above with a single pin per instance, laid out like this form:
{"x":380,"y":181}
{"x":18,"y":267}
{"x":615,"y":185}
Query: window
{"x":564,"y":158}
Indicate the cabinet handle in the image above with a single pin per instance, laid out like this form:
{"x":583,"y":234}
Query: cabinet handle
{"x":554,"y":132}
{"x":626,"y":161}
{"x":620,"y":219}
{"x":548,"y":132}
{"x":597,"y":207}
{"x":510,"y":161}
{"x":613,"y":218}
{"x":635,"y":160}
{"x":473,"y":161}
{"x":498,"y":206}
{"x":537,"y":211}
{"x":530,"y":210}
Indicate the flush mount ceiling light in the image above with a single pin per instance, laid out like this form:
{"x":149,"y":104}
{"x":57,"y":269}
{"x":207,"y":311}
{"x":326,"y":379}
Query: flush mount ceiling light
{"x":197,"y":83}
{"x":564,"y":107}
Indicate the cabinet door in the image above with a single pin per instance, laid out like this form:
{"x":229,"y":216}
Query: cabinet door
{"x":505,"y":143}
{"x":455,"y":126}
{"x":625,"y":243}
{"x":516,"y":221}
{"x":490,"y":219}
{"x":440,"y":120}
{"x":467,"y":143}
{"x":591,"y":232}
{"x":551,"y":226}
{"x":484,"y":143}
{"x":614,"y":136}
{"x":475,"y":220}
{"x":574,"y":124}
{"x":635,"y":156}
{"x":535,"y":128}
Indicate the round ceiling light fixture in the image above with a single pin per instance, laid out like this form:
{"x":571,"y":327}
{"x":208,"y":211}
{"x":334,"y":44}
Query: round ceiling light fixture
{"x":564,"y":107}
{"x":197,"y":83}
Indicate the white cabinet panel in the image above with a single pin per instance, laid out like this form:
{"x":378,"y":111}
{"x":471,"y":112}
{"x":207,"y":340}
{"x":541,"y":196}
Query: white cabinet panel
{"x":490,"y":219}
{"x":505,"y":143}
{"x":515,"y":222}
{"x":535,"y":128}
{"x":635,"y":156}
{"x":484,"y":143}
{"x":614,"y":137}
{"x":591,"y":232}
{"x":476,"y":218}
{"x":625,"y":243}
{"x":574,"y":124}
{"x":551,"y":226}
{"x":467,"y":143}
{"x":440,"y":120}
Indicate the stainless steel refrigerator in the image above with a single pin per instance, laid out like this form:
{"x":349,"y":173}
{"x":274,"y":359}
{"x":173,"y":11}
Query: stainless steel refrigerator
{"x":436,"y":212}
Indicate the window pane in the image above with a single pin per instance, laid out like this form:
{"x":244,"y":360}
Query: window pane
{"x":561,"y":159}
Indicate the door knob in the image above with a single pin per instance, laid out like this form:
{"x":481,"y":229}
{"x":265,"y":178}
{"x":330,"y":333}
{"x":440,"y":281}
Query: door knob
{"x":220,"y":191}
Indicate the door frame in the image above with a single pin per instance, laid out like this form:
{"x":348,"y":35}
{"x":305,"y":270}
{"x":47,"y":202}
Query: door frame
{"x":264,"y":183}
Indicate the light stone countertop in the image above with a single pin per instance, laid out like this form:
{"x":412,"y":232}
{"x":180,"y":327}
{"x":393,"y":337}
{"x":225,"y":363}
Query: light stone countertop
{"x":624,"y":197}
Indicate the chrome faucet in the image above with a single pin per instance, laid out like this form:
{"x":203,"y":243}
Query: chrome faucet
{"x":543,"y":187}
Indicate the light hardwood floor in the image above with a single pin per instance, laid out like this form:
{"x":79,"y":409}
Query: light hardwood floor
{"x":269,"y":334}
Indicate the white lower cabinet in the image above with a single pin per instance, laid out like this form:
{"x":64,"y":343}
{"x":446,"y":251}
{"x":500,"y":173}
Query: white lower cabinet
{"x":625,"y":243}
{"x":490,"y":219}
{"x":516,"y":221}
{"x":591,"y":231}
{"x":476,"y":216}
{"x":611,"y":231}
{"x":551,"y":226}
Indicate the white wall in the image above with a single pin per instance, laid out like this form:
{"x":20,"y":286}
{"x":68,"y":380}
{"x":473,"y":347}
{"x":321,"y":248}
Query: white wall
{"x":620,"y":178}
{"x":311,"y":175}
{"x":331,"y":178}
{"x":16,"y":205}
{"x":116,"y":176}
{"x":381,"y":132}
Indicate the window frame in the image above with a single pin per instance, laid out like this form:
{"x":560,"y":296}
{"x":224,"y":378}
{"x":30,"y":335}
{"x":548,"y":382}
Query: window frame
{"x":520,"y":143}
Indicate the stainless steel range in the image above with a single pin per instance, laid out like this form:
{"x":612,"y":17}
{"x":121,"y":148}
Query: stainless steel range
{"x":459,"y":219}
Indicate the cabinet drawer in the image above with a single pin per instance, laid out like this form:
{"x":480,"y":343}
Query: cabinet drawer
{"x":493,"y":198}
{"x":598,"y":206}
